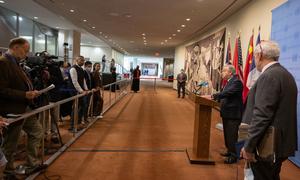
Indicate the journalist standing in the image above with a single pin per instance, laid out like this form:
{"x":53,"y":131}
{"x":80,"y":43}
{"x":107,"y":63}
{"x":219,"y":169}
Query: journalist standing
{"x":135,"y":86}
{"x":272,"y":101}
{"x":16,"y":97}
{"x":181,"y":80}
{"x":231,"y":111}
{"x":79,"y":86}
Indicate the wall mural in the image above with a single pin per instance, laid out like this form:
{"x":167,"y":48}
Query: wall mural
{"x":203,"y":64}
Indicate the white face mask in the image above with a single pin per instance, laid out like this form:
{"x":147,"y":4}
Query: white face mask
{"x":89,"y":69}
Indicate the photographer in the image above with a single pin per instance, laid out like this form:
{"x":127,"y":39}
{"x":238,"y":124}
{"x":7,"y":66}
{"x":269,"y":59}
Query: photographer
{"x":16,"y":97}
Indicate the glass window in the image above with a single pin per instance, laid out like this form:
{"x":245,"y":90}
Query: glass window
{"x":51,"y":45}
{"x":26,"y":29}
{"x":40,"y":40}
{"x":8,"y":26}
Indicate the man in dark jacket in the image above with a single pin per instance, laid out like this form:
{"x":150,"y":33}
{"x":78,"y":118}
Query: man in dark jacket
{"x":272,"y":101}
{"x":231,"y":111}
{"x":16,"y":96}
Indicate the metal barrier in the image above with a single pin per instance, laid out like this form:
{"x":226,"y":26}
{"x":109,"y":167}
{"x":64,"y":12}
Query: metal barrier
{"x":121,"y":89}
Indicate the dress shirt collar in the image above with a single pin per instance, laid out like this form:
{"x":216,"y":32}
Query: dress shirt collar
{"x":268,"y":65}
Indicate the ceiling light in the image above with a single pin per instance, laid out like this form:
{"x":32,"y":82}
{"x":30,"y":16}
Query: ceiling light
{"x":114,"y":14}
{"x":110,"y":40}
{"x":182,"y":25}
{"x":105,"y":36}
{"x":170,"y":37}
{"x":2,"y":2}
{"x":72,"y":10}
{"x":145,"y":41}
{"x":162,"y":43}
{"x":131,"y":41}
{"x":128,"y":15}
{"x":100,"y":32}
{"x":144,"y":37}
{"x":178,"y":30}
{"x":84,"y":20}
{"x":144,"y":34}
{"x":35,"y":17}
{"x":188,"y":19}
{"x":57,"y":27}
{"x":93,"y":27}
{"x":173,"y":34}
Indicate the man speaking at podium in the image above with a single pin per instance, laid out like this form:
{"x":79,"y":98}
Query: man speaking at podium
{"x":231,"y":111}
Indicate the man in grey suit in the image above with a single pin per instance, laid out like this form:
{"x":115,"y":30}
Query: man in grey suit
{"x":181,"y":79}
{"x":271,"y":101}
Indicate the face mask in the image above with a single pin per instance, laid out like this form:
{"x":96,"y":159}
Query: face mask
{"x":88,"y":69}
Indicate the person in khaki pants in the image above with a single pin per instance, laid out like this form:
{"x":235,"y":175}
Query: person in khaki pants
{"x":16,"y":96}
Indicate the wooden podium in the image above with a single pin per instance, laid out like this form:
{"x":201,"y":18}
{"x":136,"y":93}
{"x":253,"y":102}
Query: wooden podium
{"x":199,"y":154}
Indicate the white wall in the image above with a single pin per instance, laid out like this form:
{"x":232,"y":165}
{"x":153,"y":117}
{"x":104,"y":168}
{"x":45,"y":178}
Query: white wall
{"x":118,"y":57}
{"x":139,"y":60}
{"x":95,"y":53}
{"x":254,"y":14}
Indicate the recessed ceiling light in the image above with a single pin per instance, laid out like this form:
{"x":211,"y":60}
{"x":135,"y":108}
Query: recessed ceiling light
{"x":57,"y":27}
{"x":178,"y":30}
{"x":173,"y":34}
{"x":144,"y":37}
{"x":128,"y":15}
{"x":188,"y":19}
{"x":162,"y":43}
{"x":2,"y":2}
{"x":100,"y":32}
{"x":166,"y":40}
{"x":93,"y":27}
{"x":131,"y":41}
{"x":84,"y":20}
{"x":72,"y":10}
{"x":35,"y":17}
{"x":110,"y":40}
{"x":144,"y":34}
{"x":114,"y":14}
{"x":105,"y":36}
{"x":182,"y":25}
{"x":170,"y":37}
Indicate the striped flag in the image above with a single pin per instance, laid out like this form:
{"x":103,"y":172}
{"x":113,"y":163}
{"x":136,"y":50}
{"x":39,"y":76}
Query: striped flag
{"x":253,"y":74}
{"x":249,"y":62}
{"x":238,"y":59}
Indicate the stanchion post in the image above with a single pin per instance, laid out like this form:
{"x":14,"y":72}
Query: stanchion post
{"x":75,"y":112}
{"x":43,"y":135}
{"x":110,"y":94}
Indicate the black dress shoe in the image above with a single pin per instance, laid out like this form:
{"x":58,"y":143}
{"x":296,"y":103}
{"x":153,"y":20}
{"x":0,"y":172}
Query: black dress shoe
{"x":230,"y":160}
{"x":226,"y":154}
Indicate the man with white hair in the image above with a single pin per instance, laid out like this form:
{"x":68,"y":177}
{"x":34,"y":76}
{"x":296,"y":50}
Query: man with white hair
{"x":272,"y":101}
{"x":230,"y":111}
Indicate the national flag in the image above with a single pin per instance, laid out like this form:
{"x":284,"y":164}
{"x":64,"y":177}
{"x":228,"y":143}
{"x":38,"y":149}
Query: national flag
{"x":238,"y":59}
{"x":249,"y":62}
{"x":228,"y":54}
{"x":253,"y":74}
{"x":228,"y":61}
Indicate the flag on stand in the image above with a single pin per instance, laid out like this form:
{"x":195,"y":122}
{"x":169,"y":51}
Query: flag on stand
{"x":249,"y":62}
{"x":228,"y":54}
{"x":228,"y":61}
{"x":253,"y":74}
{"x":238,"y":59}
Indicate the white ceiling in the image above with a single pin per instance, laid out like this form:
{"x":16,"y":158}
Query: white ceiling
{"x":122,"y":22}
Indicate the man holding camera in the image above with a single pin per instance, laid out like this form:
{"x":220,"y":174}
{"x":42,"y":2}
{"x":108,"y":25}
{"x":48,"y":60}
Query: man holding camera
{"x":16,"y":97}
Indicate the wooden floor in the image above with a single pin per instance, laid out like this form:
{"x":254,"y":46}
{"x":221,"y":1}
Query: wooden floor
{"x":144,"y":137}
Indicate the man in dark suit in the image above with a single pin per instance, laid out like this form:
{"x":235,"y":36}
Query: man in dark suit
{"x":231,"y":111}
{"x":16,"y":95}
{"x":181,"y":80}
{"x":271,"y":101}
